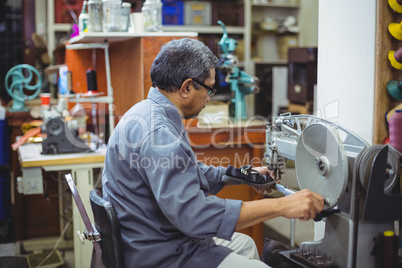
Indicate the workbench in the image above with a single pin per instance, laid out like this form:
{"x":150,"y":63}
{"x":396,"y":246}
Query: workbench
{"x":81,"y":166}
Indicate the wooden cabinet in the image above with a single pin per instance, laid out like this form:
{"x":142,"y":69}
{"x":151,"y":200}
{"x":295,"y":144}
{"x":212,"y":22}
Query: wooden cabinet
{"x":131,"y":56}
{"x":235,"y":146}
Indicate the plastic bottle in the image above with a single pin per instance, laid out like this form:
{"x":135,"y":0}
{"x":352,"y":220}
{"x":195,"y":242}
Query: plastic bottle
{"x":152,"y":10}
{"x":83,"y":18}
{"x":111,"y":15}
{"x":125,"y":16}
{"x":395,"y":130}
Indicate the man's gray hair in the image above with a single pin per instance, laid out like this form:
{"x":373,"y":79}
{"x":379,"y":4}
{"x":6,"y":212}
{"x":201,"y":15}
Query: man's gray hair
{"x":179,"y":60}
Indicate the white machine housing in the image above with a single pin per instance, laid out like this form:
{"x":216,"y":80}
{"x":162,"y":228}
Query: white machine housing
{"x":360,"y":184}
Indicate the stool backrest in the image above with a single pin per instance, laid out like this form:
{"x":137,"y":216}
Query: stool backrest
{"x":107,"y":224}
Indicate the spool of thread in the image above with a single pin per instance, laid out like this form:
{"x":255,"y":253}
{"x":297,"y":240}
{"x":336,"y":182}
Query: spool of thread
{"x":395,"y":58}
{"x":387,"y":255}
{"x":394,"y":88}
{"x":91,"y":80}
{"x":395,"y":130}
{"x":391,"y":113}
{"x":396,"y":5}
{"x":69,"y":82}
{"x":395,"y":30}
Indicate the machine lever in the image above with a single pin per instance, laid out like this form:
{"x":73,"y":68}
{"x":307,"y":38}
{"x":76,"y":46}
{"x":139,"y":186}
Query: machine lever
{"x":325,"y":213}
{"x":285,"y":190}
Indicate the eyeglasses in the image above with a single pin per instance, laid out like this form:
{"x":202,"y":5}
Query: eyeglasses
{"x":212,"y":91}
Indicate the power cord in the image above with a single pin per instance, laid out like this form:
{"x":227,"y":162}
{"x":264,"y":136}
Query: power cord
{"x":57,"y":242}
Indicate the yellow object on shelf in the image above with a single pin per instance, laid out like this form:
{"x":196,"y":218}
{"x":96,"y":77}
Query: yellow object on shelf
{"x":394,"y":62}
{"x":396,"y":30}
{"x":395,"y":5}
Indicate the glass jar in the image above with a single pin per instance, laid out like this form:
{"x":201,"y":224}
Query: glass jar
{"x":152,"y":10}
{"x":111,"y":15}
{"x":125,"y":16}
{"x":95,"y":14}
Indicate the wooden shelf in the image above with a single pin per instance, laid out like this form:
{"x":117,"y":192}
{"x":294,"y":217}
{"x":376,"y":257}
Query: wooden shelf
{"x":271,"y":32}
{"x":271,"y":61}
{"x":204,"y":29}
{"x":112,"y":37}
{"x":278,"y":4}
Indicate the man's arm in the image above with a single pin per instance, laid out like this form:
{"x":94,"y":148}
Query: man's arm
{"x":303,"y":205}
{"x":213,"y":175}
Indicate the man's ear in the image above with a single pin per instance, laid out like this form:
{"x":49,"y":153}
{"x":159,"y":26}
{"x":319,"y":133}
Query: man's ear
{"x":185,"y":88}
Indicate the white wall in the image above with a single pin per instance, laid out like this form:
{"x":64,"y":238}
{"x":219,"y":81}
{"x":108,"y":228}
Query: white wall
{"x":346,"y":64}
{"x":308,"y":23}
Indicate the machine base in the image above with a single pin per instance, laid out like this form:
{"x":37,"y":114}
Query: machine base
{"x":306,"y":259}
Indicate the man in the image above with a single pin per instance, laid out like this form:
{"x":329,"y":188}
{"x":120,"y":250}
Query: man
{"x":164,"y":199}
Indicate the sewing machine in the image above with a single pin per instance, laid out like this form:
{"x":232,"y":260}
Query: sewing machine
{"x":360,"y":184}
{"x":61,"y":136}
{"x":241,"y":83}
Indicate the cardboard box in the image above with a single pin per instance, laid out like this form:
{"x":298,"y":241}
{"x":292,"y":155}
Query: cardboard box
{"x":172,"y":12}
{"x":214,"y":114}
{"x":197,"y":13}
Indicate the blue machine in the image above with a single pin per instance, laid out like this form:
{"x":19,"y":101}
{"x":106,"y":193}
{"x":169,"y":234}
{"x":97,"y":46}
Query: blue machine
{"x":241,"y":83}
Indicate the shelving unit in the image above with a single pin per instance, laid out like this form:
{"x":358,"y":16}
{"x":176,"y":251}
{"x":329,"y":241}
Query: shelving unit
{"x":260,"y":49}
{"x":131,"y":56}
{"x":109,"y":98}
{"x":54,"y":28}
{"x":264,"y":42}
{"x":261,"y":43}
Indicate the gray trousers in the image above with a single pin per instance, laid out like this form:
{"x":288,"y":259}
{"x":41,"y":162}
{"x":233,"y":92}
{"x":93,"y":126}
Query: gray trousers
{"x":244,"y":255}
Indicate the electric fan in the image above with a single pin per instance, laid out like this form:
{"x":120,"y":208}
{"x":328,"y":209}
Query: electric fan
{"x":21,"y":77}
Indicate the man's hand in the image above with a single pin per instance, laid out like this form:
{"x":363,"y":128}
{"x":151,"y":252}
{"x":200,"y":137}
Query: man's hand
{"x":303,"y":205}
{"x":265,"y":171}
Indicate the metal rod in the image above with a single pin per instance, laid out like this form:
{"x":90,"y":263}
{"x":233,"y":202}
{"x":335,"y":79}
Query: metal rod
{"x":292,"y":232}
{"x":109,"y":90}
